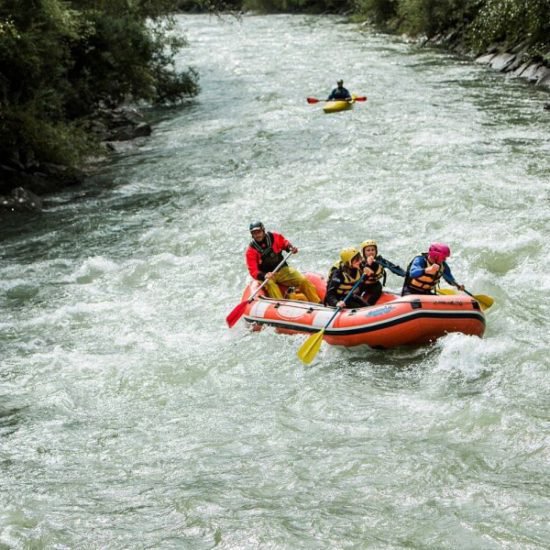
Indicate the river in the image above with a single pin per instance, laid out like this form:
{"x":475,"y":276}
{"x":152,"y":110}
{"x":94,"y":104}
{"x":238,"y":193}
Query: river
{"x":131,"y":417}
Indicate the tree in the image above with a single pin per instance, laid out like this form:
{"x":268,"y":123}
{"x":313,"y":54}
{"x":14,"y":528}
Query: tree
{"x":60,"y":60}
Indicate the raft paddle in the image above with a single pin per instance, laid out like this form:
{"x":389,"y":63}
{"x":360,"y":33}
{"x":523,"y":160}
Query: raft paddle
{"x":309,"y":349}
{"x":315,"y":100}
{"x":484,"y":301}
{"x":237,"y":312}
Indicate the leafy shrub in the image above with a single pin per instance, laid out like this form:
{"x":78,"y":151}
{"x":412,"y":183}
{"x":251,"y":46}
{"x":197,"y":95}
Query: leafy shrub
{"x":512,"y":21}
{"x":59,"y":61}
{"x":380,"y":12}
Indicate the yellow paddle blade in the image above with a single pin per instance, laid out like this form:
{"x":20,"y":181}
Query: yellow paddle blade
{"x":484,"y":301}
{"x":309,"y":349}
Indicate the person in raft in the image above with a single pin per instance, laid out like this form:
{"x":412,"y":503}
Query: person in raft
{"x":341,"y":278}
{"x":264,"y":254}
{"x":426,"y":269}
{"x":374,"y":268}
{"x":339,"y":93}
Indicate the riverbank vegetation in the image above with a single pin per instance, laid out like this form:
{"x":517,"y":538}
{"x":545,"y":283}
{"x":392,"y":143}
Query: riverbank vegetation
{"x":61,"y":61}
{"x":477,"y":25}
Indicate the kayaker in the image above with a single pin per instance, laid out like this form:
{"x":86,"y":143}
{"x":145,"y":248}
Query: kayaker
{"x":374,"y":268}
{"x":339,"y":93}
{"x":426,"y":269}
{"x":341,"y":278}
{"x":264,"y":254}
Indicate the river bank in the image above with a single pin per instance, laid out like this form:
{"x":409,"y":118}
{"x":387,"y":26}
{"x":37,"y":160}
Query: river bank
{"x":511,"y":60}
{"x":24,"y":181}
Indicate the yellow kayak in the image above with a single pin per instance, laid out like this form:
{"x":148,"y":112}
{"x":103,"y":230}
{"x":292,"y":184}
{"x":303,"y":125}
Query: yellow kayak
{"x":339,"y":105}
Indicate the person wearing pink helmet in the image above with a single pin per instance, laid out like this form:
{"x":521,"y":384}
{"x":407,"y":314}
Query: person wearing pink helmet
{"x":425,"y":271}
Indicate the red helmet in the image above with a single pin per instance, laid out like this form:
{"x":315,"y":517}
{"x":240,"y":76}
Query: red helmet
{"x":439,"y":252}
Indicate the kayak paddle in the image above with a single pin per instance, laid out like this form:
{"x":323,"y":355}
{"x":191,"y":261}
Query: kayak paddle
{"x":484,"y":301}
{"x":309,"y":349}
{"x":237,"y":312}
{"x":315,"y":100}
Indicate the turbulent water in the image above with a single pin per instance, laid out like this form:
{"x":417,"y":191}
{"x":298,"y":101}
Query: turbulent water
{"x":131,"y":417}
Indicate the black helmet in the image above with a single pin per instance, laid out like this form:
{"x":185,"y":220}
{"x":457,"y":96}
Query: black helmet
{"x":256,"y":225}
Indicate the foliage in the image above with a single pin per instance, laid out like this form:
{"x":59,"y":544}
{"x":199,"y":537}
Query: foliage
{"x":60,"y":60}
{"x":416,"y":17}
{"x":381,"y":12}
{"x":30,"y":139}
{"x":431,"y":17}
{"x":480,"y":23}
{"x":513,"y":21}
{"x":303,"y":6}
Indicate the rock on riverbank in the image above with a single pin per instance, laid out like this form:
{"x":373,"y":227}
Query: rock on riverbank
{"x":504,"y":58}
{"x":533,"y":71}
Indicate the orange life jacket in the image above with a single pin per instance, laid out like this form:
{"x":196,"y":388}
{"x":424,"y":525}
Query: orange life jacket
{"x":426,"y":282}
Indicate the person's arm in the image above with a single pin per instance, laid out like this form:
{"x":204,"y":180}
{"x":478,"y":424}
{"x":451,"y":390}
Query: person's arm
{"x":417,"y":267}
{"x":281,"y":243}
{"x":394,"y":268}
{"x":333,"y":284}
{"x":448,"y":276}
{"x":369,"y":265}
{"x":253,"y":262}
{"x":360,"y":290}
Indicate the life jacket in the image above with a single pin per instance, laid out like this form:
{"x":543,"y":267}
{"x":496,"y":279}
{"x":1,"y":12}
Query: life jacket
{"x":379,"y":273}
{"x":339,"y":94}
{"x":350,"y":277}
{"x":269,"y":258}
{"x":425,"y":283}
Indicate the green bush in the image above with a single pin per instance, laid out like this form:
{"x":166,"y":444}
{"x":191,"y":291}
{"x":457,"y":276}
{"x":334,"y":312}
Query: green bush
{"x":430,"y":17}
{"x":380,"y":12}
{"x":60,"y":60}
{"x":511,"y":22}
{"x":480,"y":22}
{"x":304,"y":6}
{"x":29,"y":139}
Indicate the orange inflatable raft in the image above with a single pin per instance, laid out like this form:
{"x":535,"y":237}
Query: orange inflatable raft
{"x":394,"y":321}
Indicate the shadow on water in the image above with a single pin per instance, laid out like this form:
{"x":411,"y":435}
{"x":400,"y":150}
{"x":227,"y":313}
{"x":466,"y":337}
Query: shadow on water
{"x":10,"y":418}
{"x":396,"y":360}
{"x":36,"y":237}
{"x":19,"y":224}
{"x":397,"y":367}
{"x":412,"y":368}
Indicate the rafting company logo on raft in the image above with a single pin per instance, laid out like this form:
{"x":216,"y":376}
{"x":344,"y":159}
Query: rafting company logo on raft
{"x":289,"y":312}
{"x":380,"y":311}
